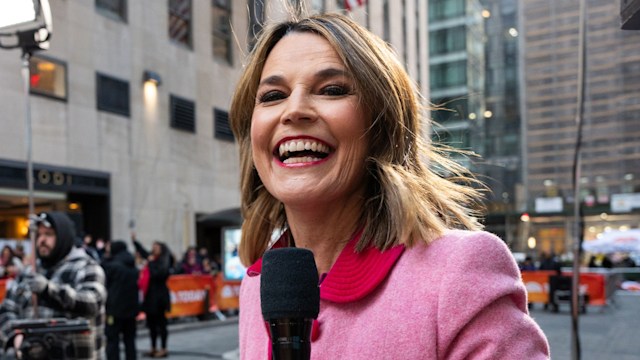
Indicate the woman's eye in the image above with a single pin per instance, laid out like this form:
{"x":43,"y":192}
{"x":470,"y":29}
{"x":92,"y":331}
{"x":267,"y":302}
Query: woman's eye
{"x":334,"y":90}
{"x":272,"y":95}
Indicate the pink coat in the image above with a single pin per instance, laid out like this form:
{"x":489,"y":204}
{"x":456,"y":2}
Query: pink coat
{"x":461,"y":297}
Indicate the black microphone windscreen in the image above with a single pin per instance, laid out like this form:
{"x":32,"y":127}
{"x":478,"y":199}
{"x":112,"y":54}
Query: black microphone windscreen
{"x":289,"y":284}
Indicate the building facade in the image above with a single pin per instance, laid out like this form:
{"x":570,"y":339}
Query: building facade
{"x":129,"y":112}
{"x":456,"y":60}
{"x":610,"y":173}
{"x":501,"y":165}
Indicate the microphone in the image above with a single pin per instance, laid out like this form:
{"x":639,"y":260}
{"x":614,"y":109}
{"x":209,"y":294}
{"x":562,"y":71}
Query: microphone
{"x":290,"y":300}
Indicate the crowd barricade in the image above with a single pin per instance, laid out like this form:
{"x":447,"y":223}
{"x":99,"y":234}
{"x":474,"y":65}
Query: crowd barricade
{"x":191,"y":295}
{"x":3,"y":288}
{"x":599,"y":286}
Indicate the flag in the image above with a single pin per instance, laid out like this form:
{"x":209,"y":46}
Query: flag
{"x":352,"y":4}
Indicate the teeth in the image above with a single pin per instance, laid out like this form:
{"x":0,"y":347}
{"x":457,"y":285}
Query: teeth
{"x":296,"y":160}
{"x":300,"y":145}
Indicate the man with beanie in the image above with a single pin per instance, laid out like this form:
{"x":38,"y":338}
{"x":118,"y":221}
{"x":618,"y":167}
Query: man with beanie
{"x":122,"y":303}
{"x":67,"y":283}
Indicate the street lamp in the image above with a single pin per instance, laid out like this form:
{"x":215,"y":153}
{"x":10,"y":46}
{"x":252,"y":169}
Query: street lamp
{"x":26,"y":24}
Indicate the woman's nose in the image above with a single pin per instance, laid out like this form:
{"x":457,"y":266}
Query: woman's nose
{"x":299,"y":107}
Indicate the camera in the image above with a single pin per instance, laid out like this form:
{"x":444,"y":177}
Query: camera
{"x":54,"y":338}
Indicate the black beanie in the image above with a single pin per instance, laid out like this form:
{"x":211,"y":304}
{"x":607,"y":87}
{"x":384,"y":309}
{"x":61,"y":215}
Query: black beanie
{"x":65,"y":235}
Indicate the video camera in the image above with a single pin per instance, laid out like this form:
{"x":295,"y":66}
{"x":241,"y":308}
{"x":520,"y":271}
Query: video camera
{"x":55,"y":338}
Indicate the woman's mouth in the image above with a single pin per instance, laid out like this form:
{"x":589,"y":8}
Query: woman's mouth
{"x":302,"y":150}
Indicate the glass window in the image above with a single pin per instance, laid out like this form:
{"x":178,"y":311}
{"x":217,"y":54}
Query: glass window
{"x":48,"y":77}
{"x":256,"y":19}
{"x":445,"y":9}
{"x":180,"y":21}
{"x":116,"y":9}
{"x":447,"y":40}
{"x":448,"y":74}
{"x":449,"y":109}
{"x":221,"y":29}
{"x":112,"y":94}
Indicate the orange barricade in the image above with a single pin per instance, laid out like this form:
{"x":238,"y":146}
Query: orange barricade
{"x":537,"y":283}
{"x":3,"y":289}
{"x":228,"y":294}
{"x":191,"y":295}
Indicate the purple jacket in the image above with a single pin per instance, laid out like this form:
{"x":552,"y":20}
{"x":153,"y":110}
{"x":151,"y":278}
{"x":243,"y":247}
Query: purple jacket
{"x":461,"y":297}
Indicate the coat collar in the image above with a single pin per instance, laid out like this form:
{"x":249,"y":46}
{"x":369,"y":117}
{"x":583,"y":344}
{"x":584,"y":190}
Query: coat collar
{"x":354,"y":275}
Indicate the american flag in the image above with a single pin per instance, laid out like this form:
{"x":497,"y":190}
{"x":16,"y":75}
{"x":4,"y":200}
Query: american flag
{"x":352,"y":4}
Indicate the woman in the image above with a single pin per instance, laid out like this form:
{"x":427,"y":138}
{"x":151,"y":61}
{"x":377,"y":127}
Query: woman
{"x":10,"y":264}
{"x":156,"y":299}
{"x":331,"y":152}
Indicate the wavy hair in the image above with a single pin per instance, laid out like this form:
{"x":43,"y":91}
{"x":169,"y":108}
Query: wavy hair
{"x":414,"y":191}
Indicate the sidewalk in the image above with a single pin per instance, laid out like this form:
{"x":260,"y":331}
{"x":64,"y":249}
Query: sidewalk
{"x":609,"y":332}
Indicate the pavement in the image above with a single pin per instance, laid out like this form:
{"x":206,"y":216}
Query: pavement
{"x":605,"y":332}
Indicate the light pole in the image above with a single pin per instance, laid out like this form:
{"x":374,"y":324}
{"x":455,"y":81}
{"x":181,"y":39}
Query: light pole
{"x":26,"y":25}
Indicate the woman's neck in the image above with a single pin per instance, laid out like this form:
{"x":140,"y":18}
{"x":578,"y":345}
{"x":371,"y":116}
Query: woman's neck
{"x":324,"y":231}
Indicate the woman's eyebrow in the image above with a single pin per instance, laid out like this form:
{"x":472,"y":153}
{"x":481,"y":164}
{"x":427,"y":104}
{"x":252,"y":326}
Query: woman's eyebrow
{"x":321,"y":75}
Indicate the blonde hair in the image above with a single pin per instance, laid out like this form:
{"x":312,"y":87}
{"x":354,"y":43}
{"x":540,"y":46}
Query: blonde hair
{"x":406,"y":199}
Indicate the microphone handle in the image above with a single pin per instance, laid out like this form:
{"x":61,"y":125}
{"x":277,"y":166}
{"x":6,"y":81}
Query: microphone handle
{"x":290,"y":338}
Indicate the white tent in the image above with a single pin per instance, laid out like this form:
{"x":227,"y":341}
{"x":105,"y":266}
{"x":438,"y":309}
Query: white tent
{"x":614,"y":241}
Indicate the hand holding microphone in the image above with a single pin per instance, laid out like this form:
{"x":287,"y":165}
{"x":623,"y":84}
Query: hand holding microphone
{"x":290,"y":300}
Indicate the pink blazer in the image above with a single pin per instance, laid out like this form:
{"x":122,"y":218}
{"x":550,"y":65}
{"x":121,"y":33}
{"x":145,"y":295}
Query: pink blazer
{"x":461,"y":297}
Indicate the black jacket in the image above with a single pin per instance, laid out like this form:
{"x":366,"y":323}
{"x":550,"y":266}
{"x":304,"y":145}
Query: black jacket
{"x":122,"y":282}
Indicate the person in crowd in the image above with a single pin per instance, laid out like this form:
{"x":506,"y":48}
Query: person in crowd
{"x":87,"y":245}
{"x":19,"y":252}
{"x":156,"y":299}
{"x":122,"y":303}
{"x":67,"y":283}
{"x":190,"y":263}
{"x":10,"y":264}
{"x":328,"y":123}
{"x":549,"y":261}
{"x":527,"y":264}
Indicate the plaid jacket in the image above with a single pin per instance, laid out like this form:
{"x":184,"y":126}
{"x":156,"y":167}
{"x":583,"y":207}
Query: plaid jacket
{"x":76,"y":289}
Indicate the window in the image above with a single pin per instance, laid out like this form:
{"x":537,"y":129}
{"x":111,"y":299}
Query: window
{"x":183,"y":114}
{"x":445,"y":9}
{"x":256,"y":19}
{"x":180,"y":21}
{"x":221,"y":29}
{"x":112,"y":95}
{"x":116,"y":9}
{"x":221,"y":127}
{"x":448,"y":74}
{"x":48,"y":77}
{"x":450,"y":109}
{"x":447,"y":40}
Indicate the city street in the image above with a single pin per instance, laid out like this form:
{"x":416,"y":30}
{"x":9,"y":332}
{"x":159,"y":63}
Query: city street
{"x":212,"y":339}
{"x":605,"y":332}
{"x":609,"y":332}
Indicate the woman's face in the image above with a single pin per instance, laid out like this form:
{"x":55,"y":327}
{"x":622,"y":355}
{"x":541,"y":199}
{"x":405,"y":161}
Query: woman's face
{"x":308,"y":126}
{"x":156,"y":249}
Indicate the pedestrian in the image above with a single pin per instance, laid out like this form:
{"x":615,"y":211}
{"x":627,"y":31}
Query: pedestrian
{"x":332,"y":155}
{"x":122,"y":302}
{"x":156,"y":299}
{"x":191,"y":264}
{"x":67,"y":283}
{"x":10,"y":264}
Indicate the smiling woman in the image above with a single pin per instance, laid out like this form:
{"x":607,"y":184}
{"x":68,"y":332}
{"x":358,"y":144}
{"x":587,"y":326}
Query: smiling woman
{"x":328,"y":124}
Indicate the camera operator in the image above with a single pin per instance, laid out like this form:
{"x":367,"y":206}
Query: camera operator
{"x":67,"y":283}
